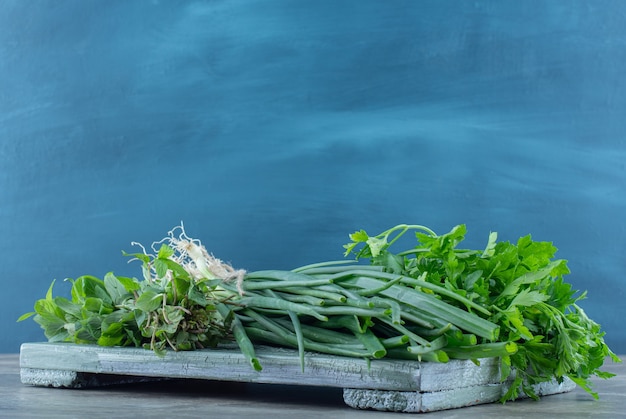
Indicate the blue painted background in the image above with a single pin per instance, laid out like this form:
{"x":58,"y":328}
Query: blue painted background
{"x":275,"y":128}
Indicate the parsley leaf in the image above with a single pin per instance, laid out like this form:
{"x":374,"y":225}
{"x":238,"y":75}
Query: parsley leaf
{"x":522,"y":286}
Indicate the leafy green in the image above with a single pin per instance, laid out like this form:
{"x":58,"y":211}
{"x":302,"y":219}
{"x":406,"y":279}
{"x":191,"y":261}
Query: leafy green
{"x":522,"y":286}
{"x":122,"y":311}
{"x":432,"y":302}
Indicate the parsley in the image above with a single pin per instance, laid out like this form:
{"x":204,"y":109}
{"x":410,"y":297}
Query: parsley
{"x":522,"y":286}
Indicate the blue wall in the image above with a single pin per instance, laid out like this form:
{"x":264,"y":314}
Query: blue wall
{"x":275,"y":128}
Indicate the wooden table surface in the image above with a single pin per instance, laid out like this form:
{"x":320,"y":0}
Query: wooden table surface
{"x":193,"y":398}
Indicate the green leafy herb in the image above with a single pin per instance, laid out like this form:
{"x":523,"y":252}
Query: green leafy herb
{"x":520,"y":284}
{"x":432,"y":302}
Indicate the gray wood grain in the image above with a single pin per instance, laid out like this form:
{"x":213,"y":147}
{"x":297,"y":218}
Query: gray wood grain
{"x":393,"y":385}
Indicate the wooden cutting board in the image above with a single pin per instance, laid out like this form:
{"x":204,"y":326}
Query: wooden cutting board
{"x":384,"y":384}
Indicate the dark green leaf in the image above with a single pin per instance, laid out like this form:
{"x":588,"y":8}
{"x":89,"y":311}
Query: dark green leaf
{"x":528,"y":298}
{"x":149,"y":301}
{"x":182,"y":286}
{"x":84,"y":287}
{"x":392,"y":263}
{"x":68,"y":307}
{"x":115,"y":288}
{"x":130,"y":284}
{"x":178,"y":270}
{"x":160,"y":266}
{"x":528,"y":278}
{"x":197,"y":296}
{"x":93,"y":305}
{"x":106,"y":340}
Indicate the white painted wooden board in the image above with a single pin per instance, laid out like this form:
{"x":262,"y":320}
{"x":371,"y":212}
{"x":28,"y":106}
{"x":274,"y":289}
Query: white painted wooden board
{"x":394,"y":385}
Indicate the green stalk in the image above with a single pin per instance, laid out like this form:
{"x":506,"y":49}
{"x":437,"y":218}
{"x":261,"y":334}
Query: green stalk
{"x":319,"y":334}
{"x":245,"y":345}
{"x":319,"y":292}
{"x":413,"y":282}
{"x":435,"y":345}
{"x":277,"y":275}
{"x":278,"y":304}
{"x":351,"y":322}
{"x":399,"y":328}
{"x":404,"y":228}
{"x":396,"y":310}
{"x":403,"y":353}
{"x":260,"y":334}
{"x":360,"y":303}
{"x":263,"y":335}
{"x":347,"y":310}
{"x":464,"y":320}
{"x":395,"y":341}
{"x":433,"y":331}
{"x":298,"y":298}
{"x":310,"y":345}
{"x":434,"y":356}
{"x":437,"y":327}
{"x":419,"y":319}
{"x":299,"y":337}
{"x":339,"y":290}
{"x":333,"y":270}
{"x":261,"y":285}
{"x":484,"y":350}
{"x":295,"y":322}
{"x":372,"y":343}
{"x":413,"y":251}
{"x":376,"y":291}
{"x":466,"y":339}
{"x":325,"y":264}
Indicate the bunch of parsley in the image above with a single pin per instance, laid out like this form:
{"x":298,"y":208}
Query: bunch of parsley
{"x":520,"y":284}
